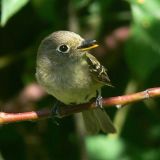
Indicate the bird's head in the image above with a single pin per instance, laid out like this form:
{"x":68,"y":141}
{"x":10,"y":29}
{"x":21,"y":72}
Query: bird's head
{"x":63,"y":44}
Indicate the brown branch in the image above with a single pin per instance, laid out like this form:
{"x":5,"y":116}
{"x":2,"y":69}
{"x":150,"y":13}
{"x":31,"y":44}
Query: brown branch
{"x":67,"y":110}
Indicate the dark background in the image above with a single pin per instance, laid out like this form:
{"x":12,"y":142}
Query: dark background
{"x":129,"y":36}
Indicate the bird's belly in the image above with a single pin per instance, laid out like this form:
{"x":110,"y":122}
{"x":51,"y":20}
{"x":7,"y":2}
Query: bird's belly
{"x":75,"y":85}
{"x":76,"y":96}
{"x":74,"y":92}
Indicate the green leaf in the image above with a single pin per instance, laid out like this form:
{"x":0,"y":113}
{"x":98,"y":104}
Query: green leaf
{"x":9,"y":8}
{"x":101,"y":147}
{"x":143,"y":49}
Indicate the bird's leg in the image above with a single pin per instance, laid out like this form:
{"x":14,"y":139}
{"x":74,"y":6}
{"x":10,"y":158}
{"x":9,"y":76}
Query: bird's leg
{"x":55,"y":109}
{"x":99,"y":99}
{"x":55,"y":115}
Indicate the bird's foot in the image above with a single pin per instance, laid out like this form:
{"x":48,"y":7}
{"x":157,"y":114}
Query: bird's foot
{"x":55,"y":115}
{"x":99,"y":101}
{"x":55,"y":109}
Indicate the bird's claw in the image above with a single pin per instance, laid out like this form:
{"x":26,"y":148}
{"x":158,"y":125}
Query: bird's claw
{"x":99,"y":102}
{"x":55,"y":109}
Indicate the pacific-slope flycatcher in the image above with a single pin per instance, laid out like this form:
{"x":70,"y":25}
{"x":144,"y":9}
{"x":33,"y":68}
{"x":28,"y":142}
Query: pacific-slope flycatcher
{"x":68,"y":72}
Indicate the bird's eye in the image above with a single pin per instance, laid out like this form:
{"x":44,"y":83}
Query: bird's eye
{"x":63,"y":48}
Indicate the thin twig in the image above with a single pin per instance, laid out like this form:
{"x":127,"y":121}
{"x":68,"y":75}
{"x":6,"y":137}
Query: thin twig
{"x":68,"y":110}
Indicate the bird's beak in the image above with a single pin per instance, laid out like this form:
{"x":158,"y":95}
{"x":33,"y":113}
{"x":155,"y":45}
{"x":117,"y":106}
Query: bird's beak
{"x":87,"y":45}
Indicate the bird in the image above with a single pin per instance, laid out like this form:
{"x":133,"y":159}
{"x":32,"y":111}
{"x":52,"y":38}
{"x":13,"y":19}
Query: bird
{"x":67,"y":71}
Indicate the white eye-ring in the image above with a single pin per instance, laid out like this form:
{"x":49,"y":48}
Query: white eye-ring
{"x":63,"y":48}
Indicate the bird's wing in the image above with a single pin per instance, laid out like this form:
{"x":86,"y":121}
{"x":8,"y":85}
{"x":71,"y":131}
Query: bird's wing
{"x":98,"y":72}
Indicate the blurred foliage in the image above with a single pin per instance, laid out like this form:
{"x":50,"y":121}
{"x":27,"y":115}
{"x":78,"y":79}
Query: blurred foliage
{"x":25,"y":23}
{"x":145,"y":29}
{"x":9,"y":8}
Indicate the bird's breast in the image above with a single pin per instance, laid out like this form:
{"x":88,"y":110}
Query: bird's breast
{"x":69,"y":83}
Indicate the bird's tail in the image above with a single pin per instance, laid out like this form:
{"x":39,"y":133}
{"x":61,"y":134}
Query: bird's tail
{"x":96,"y":120}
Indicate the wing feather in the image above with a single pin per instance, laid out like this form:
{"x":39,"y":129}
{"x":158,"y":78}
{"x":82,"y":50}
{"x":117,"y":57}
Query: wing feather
{"x":98,"y":71}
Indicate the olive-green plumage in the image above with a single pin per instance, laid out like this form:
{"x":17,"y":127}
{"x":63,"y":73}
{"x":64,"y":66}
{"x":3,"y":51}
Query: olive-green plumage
{"x":68,"y":72}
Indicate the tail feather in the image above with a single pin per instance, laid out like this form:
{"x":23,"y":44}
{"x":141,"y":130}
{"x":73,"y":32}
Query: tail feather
{"x":91,"y":124}
{"x":96,"y":120}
